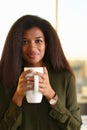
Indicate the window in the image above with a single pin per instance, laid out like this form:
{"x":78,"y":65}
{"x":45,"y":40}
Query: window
{"x":72,"y":30}
{"x":11,"y":10}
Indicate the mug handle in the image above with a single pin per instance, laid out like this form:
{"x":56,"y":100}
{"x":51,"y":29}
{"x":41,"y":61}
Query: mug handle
{"x":36,"y":83}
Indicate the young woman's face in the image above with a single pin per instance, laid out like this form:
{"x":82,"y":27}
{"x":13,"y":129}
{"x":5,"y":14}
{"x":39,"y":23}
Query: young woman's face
{"x":33,"y":47}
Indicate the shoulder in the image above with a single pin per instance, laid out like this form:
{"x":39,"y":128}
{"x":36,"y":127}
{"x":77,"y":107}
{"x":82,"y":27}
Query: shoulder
{"x":62,"y":74}
{"x":66,"y":74}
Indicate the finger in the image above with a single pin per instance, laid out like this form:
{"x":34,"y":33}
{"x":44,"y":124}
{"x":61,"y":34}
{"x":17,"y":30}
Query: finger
{"x":23,"y":80}
{"x":45,"y":70}
{"x":25,"y":73}
{"x":26,"y":86}
{"x":26,"y":81}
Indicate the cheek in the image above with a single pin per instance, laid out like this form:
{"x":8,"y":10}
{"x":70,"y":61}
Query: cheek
{"x":43,"y":51}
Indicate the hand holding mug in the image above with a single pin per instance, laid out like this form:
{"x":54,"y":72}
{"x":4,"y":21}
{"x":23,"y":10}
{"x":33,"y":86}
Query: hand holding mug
{"x":44,"y":85}
{"x":22,"y":87}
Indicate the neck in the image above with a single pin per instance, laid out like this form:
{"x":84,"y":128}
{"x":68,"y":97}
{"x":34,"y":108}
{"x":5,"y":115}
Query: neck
{"x":41,"y":64}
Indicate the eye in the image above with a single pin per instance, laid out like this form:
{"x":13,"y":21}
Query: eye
{"x":25,"y":42}
{"x":38,"y":41}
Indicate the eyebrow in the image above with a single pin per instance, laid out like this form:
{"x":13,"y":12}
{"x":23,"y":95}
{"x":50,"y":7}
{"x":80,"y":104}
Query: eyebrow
{"x":35,"y":37}
{"x":39,"y":37}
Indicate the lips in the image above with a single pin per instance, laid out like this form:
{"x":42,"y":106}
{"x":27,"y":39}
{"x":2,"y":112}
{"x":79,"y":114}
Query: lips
{"x":33,"y":54}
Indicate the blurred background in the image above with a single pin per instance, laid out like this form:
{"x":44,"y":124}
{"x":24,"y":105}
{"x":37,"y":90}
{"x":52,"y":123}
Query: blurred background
{"x":69,"y":18}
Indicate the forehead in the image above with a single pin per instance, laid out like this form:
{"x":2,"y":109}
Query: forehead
{"x":33,"y":32}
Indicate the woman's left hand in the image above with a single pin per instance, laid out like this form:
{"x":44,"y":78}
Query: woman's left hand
{"x":44,"y":85}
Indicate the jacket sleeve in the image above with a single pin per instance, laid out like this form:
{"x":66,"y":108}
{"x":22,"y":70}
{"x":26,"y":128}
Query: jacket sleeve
{"x":68,"y":114}
{"x":10,"y":117}
{"x":10,"y":113}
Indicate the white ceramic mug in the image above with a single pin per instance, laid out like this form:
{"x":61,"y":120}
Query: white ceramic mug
{"x":34,"y":96}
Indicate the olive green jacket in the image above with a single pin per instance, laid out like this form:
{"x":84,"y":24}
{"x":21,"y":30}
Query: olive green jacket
{"x":65,"y":115}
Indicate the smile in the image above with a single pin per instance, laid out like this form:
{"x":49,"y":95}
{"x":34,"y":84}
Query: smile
{"x":33,"y":55}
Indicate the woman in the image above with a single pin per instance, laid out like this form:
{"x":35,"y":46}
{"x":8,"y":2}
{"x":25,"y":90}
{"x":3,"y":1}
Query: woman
{"x":33,"y":42}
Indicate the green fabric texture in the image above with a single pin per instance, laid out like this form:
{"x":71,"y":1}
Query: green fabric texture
{"x":41,"y":116}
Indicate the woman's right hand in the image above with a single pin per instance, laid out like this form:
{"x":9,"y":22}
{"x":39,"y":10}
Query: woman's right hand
{"x":23,"y":83}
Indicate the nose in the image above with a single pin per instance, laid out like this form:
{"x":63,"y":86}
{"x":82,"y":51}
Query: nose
{"x":31,"y":45}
